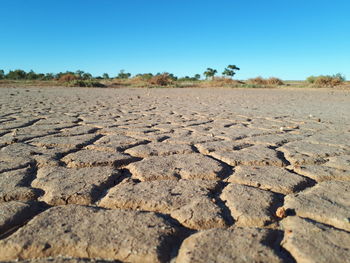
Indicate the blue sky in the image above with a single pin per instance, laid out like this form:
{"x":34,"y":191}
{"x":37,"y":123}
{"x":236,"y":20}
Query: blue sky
{"x":290,"y":39}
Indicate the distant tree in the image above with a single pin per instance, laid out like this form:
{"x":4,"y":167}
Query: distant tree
{"x":230,"y":71}
{"x":197,"y":76}
{"x":145,"y":76}
{"x":79,"y":74}
{"x":60,"y":74}
{"x":86,"y":76}
{"x":2,"y":74}
{"x":339,"y":76}
{"x":31,"y":75}
{"x":123,"y":75}
{"x":40,"y":76}
{"x":171,"y":76}
{"x":49,"y":76}
{"x":16,"y":74}
{"x":210,"y":73}
{"x":105,"y":76}
{"x":66,"y":77}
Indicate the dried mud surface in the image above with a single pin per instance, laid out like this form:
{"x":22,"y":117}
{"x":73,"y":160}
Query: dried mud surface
{"x":174,"y":175}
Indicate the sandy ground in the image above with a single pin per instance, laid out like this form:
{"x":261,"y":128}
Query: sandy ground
{"x":174,"y":175}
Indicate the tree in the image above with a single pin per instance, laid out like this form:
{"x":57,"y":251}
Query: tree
{"x":172,"y":76}
{"x":2,"y":74}
{"x":49,"y":76}
{"x":79,"y":73}
{"x":60,"y":74}
{"x":123,"y":75}
{"x":339,"y":76}
{"x":230,"y":71}
{"x":40,"y":76}
{"x":145,"y":76}
{"x":16,"y":74}
{"x":197,"y":76}
{"x":86,"y":76}
{"x":210,"y":73}
{"x":31,"y":75}
{"x":105,"y":76}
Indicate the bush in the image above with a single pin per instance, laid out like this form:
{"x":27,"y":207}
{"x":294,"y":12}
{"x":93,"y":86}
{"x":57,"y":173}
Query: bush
{"x":187,"y":78}
{"x":221,"y":82}
{"x":262,"y":81}
{"x":67,"y":77}
{"x":123,"y":75}
{"x":224,"y":80}
{"x":143,"y":77}
{"x":274,"y":81}
{"x":16,"y":74}
{"x":326,"y":80}
{"x":161,"y":80}
{"x":84,"y":83}
{"x":340,"y":77}
{"x":257,"y":81}
{"x":311,"y":79}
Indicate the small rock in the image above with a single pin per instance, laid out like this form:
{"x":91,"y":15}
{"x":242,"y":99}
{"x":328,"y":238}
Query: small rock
{"x":281,"y":212}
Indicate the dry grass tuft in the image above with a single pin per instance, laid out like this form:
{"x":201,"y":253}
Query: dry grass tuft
{"x":274,"y":81}
{"x":269,"y":81}
{"x":161,"y":80}
{"x":325,"y":81}
{"x":67,"y":77}
{"x":220,"y":82}
{"x":257,"y":81}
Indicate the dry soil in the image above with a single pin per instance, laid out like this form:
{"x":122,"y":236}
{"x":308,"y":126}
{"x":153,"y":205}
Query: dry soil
{"x":174,"y":175}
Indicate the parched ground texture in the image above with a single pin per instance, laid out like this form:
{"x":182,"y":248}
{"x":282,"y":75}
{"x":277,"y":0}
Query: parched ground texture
{"x":174,"y":175}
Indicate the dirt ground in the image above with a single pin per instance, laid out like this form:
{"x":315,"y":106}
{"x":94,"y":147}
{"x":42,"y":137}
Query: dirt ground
{"x":174,"y":175}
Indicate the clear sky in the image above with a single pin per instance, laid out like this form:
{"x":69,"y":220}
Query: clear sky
{"x":290,"y":39}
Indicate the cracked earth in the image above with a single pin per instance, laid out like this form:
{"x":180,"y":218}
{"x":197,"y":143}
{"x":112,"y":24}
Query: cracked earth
{"x":174,"y":175}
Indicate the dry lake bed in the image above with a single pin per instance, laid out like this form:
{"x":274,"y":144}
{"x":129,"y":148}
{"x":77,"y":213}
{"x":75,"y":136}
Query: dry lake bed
{"x":174,"y":175}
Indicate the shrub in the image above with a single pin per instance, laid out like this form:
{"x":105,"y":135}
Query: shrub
{"x":161,"y":80}
{"x":49,"y":76}
{"x":326,"y":80}
{"x":274,"y":81}
{"x":144,"y":77}
{"x":311,"y":79}
{"x":224,"y":80}
{"x":16,"y":74}
{"x":2,"y":74}
{"x":31,"y":75}
{"x":86,"y":76}
{"x":340,"y":77}
{"x":257,"y":81}
{"x":123,"y":75}
{"x":187,"y":78}
{"x":262,"y":81}
{"x":84,"y":83}
{"x":67,"y":77}
{"x":221,"y":82}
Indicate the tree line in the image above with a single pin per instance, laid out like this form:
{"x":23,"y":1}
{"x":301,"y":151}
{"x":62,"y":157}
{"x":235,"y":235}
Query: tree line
{"x":20,"y":74}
